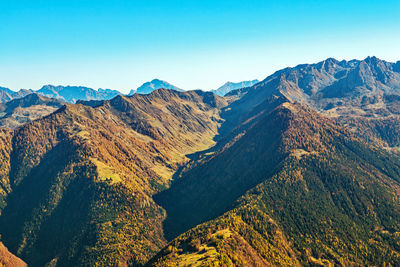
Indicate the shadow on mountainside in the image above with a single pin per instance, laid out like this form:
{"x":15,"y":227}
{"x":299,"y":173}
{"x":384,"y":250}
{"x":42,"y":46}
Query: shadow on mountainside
{"x":184,"y":211}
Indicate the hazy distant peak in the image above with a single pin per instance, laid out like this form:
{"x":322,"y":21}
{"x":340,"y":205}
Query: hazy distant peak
{"x":8,"y":94}
{"x":154,"y":84}
{"x":101,"y":90}
{"x":74,"y":93}
{"x":229,"y":86}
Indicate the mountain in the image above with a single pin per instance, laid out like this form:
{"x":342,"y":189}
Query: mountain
{"x":155,"y":84}
{"x":7,"y":94}
{"x":299,"y":169}
{"x":230,"y":86}
{"x":77,"y":185}
{"x":72,"y":94}
{"x":22,"y":110}
{"x":289,"y":183}
{"x":292,"y":187}
{"x":363,"y":94}
{"x":69,"y":94}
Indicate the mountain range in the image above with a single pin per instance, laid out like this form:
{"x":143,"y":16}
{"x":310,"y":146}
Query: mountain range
{"x":7,"y":94}
{"x":69,"y":94}
{"x":361,"y":94}
{"x":230,"y":86}
{"x":73,"y":94}
{"x":302,"y":168}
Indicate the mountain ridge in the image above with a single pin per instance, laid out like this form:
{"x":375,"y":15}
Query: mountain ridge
{"x":74,"y":93}
{"x":230,"y":86}
{"x":361,"y":93}
{"x":295,"y":170}
{"x":19,"y":111}
{"x":266,"y":176}
{"x":99,"y":167}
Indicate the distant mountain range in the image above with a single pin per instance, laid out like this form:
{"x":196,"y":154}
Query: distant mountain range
{"x":73,"y":94}
{"x":7,"y":94}
{"x":69,"y":94}
{"x":230,"y":86}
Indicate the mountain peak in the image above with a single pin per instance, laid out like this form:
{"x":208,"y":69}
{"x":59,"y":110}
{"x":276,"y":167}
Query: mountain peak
{"x":332,"y":60}
{"x":371,"y":58}
{"x":148,"y":87}
{"x":155,"y":80}
{"x":230,"y":86}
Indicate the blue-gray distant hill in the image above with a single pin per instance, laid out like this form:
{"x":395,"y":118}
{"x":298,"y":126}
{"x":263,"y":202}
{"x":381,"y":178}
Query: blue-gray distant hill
{"x":7,"y":94}
{"x":230,"y":86}
{"x":74,"y":93}
{"x":155,"y":84}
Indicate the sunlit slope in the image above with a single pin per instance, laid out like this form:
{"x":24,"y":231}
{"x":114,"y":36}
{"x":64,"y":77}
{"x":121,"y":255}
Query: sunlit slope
{"x":364,"y":95}
{"x":77,"y":184}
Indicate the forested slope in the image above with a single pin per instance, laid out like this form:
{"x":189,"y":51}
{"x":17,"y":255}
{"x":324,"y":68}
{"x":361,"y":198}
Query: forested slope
{"x":77,"y":184}
{"x":300,"y":182}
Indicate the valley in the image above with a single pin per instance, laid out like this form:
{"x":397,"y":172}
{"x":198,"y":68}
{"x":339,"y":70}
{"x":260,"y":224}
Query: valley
{"x":300,"y":169}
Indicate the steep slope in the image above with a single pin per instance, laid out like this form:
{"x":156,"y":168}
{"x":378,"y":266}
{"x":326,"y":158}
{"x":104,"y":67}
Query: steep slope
{"x":230,"y":86}
{"x":295,"y":186}
{"x":77,"y":184}
{"x":9,"y":260}
{"x":361,"y":93}
{"x":155,"y":84}
{"x":72,"y":94}
{"x":22,"y":110}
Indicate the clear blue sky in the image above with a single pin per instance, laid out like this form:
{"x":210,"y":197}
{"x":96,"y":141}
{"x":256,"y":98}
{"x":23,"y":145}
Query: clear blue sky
{"x":192,"y":44}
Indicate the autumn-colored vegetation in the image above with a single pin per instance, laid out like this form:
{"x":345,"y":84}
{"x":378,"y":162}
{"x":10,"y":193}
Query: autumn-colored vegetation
{"x":77,"y":185}
{"x":332,"y":198}
{"x":295,"y":170}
